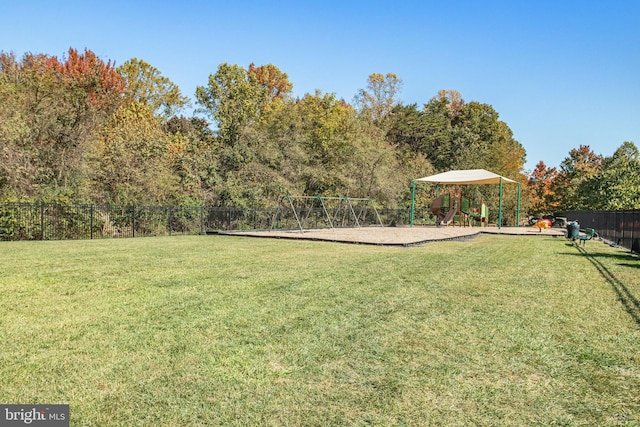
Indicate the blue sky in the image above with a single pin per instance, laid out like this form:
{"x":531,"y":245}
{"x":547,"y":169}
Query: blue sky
{"x":559,"y":73}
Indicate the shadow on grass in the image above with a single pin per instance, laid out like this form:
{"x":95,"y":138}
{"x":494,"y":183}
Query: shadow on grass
{"x":620,"y":256}
{"x":627,"y":257}
{"x":629,"y":301}
{"x":625,"y":264}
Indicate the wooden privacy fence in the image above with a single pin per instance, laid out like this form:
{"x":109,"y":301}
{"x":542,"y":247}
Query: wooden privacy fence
{"x":42,"y":221}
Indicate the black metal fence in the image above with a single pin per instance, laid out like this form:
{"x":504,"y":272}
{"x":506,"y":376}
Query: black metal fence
{"x":620,"y":227}
{"x":41,"y":221}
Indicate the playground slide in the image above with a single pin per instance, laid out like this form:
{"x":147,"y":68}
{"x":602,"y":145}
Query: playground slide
{"x":449,"y":217}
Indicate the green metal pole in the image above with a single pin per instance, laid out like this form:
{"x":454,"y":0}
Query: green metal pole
{"x":413,"y":202}
{"x":518,"y":211}
{"x":500,"y":206}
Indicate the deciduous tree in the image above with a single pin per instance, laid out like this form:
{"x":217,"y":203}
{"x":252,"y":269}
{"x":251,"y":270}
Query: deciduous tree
{"x":326,"y":124}
{"x":145,"y":84}
{"x":131,"y":162}
{"x":193,"y":154}
{"x":99,"y":79}
{"x":272,"y":79}
{"x":581,"y":165}
{"x":233,"y":99}
{"x":540,"y":189}
{"x":380,"y":96}
{"x":59,"y":105}
{"x":617,"y":184}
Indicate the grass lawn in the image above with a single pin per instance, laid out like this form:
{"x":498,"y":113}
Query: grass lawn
{"x":214,"y":330}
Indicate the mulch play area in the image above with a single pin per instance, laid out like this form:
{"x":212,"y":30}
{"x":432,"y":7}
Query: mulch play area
{"x":396,"y":236}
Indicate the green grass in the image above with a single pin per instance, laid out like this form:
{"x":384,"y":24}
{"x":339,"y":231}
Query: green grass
{"x":203,"y":330}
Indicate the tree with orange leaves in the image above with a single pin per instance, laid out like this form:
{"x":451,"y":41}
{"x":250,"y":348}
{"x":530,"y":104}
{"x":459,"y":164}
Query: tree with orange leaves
{"x":540,"y":185}
{"x":101,"y":82}
{"x":270,"y":77}
{"x":55,"y":108}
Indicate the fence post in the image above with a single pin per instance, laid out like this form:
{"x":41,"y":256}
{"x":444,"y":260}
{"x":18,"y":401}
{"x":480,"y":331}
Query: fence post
{"x":623,"y":234}
{"x":202,"y":220}
{"x":41,"y":220}
{"x":635,"y":227}
{"x":91,"y":222}
{"x":170,"y":219}
{"x":133,"y":221}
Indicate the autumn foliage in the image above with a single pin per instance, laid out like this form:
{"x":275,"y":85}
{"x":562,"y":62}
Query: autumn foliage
{"x":275,"y":81}
{"x":542,"y":196}
{"x":77,"y":128}
{"x":98,"y":78}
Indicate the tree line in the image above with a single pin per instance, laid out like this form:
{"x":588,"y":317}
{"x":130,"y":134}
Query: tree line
{"x":588,"y":181}
{"x":78,"y":129}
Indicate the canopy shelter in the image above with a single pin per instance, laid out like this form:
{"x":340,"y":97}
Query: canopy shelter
{"x":467,"y":177}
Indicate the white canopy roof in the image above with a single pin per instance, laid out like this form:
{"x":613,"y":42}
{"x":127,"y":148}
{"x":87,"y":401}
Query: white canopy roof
{"x":470,"y":176}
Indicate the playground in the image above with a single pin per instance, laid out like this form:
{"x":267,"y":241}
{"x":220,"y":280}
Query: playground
{"x":356,"y":220}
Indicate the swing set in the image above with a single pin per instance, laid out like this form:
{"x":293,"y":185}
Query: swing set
{"x":314,"y":212}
